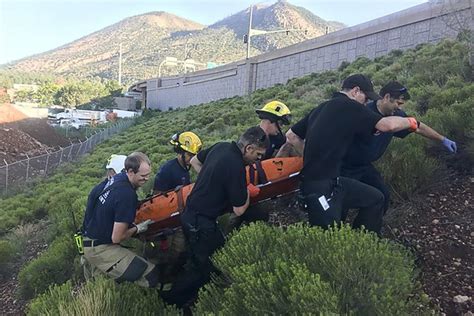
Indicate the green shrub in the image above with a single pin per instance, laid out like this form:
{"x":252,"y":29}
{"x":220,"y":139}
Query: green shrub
{"x":301,"y":270}
{"x":7,"y":253}
{"x":100,"y":297}
{"x":407,"y":167}
{"x":55,"y":266}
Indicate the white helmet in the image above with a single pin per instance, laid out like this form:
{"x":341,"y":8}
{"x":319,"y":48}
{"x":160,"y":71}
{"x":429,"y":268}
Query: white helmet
{"x":116,"y":162}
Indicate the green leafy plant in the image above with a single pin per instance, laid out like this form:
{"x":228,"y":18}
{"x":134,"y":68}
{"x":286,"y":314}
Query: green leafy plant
{"x":268,"y":270}
{"x":99,"y":297}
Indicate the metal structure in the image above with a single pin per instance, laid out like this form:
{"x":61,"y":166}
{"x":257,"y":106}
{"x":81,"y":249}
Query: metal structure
{"x":174,"y":62}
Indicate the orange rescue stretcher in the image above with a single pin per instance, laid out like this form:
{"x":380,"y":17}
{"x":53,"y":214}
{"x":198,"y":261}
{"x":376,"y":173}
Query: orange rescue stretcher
{"x":275,"y":177}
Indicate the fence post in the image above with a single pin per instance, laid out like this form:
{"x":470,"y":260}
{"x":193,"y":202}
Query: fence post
{"x":6,"y":177}
{"x":46,"y":167}
{"x":70,"y":151}
{"x":80,"y":147}
{"x":27,"y":167}
{"x":61,"y":156}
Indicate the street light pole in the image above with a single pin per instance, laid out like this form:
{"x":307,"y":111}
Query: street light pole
{"x":249,"y":32}
{"x":253,"y":32}
{"x":120,"y":65}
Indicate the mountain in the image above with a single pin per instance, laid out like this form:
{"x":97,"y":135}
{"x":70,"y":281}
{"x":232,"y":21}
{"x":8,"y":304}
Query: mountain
{"x":148,"y":38}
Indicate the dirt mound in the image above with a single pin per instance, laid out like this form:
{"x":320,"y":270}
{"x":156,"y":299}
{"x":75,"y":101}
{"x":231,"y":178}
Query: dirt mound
{"x":40,"y":130}
{"x":28,"y":136}
{"x":9,"y":114}
{"x":15,"y":145}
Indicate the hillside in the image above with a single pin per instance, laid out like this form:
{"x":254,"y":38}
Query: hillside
{"x":431,"y":213}
{"x":148,"y":38}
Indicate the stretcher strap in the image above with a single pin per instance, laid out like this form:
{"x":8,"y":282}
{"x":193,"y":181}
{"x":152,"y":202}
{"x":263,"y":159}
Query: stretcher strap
{"x":262,"y":177}
{"x":179,"y":194}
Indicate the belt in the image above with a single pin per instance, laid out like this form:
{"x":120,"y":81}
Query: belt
{"x":93,"y":243}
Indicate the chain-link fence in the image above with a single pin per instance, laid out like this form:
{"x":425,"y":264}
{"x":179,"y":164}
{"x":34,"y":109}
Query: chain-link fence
{"x":20,"y":172}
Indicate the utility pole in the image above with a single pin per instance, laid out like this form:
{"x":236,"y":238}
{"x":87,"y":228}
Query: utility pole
{"x":249,"y":32}
{"x":120,"y":65}
{"x":253,"y":32}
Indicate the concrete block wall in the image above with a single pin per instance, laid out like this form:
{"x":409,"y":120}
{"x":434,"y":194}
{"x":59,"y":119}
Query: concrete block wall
{"x":426,"y":23}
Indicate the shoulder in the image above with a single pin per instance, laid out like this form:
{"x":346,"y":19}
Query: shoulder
{"x":400,"y":113}
{"x":170,"y":164}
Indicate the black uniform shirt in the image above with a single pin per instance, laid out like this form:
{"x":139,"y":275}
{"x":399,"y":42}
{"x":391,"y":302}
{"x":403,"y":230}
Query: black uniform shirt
{"x":328,"y":131}
{"x":363,"y":153}
{"x":116,"y":205}
{"x":275,"y":143}
{"x":171,"y":175}
{"x":221,"y":182}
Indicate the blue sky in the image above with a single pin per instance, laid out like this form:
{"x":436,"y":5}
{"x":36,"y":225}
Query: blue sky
{"x":29,"y":27}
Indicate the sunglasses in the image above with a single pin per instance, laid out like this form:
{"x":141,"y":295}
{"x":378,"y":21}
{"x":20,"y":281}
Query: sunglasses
{"x":402,"y":90}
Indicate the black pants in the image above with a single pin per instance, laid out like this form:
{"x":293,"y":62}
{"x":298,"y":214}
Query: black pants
{"x":204,"y":238}
{"x":369,"y":175}
{"x":340,"y":194}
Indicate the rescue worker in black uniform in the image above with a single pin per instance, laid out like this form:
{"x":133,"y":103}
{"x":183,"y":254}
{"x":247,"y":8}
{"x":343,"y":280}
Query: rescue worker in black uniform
{"x":326,"y":134}
{"x":175,"y":172}
{"x":108,"y":221}
{"x":272,"y":115}
{"x":220,"y":186}
{"x":358,"y":162}
{"x":171,"y":176}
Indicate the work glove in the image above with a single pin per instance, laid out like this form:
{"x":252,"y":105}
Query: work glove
{"x":450,"y":145}
{"x":143,"y":226}
{"x":253,"y":190}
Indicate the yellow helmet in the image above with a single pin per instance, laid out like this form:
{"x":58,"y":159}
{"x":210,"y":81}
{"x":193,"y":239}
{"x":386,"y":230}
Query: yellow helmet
{"x":187,"y":141}
{"x":275,"y":111}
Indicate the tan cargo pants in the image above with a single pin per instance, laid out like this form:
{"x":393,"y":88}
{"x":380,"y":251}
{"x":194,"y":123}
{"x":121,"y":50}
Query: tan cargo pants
{"x":122,"y":264}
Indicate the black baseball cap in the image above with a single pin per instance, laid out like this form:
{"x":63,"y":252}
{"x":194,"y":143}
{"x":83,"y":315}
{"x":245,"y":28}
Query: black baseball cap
{"x":395,"y":89}
{"x":363,"y":83}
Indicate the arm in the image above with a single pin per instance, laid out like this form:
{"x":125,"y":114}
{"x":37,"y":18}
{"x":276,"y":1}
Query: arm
{"x":295,"y":141}
{"x":428,"y":132}
{"x":393,"y":124}
{"x":240,"y":210}
{"x":196,"y":164}
{"x":121,"y":232}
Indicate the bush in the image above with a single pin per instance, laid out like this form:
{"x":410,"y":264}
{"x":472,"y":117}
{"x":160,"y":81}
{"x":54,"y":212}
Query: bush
{"x":100,"y":297}
{"x":407,"y":167}
{"x":7,"y":253}
{"x":55,"y":266}
{"x":267,"y":270}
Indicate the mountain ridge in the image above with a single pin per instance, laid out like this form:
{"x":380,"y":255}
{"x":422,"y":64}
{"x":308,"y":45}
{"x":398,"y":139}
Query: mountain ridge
{"x":148,"y":38}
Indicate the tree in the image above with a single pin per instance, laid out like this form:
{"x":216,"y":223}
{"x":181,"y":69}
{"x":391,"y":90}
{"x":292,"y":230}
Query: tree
{"x":46,"y":94}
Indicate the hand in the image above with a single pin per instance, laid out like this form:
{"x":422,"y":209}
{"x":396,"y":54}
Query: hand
{"x":253,"y":190}
{"x":143,"y":226}
{"x":450,"y":145}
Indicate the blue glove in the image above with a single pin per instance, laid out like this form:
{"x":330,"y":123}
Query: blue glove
{"x":450,"y":145}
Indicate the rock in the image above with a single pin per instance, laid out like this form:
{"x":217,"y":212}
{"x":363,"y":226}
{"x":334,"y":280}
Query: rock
{"x":459,"y":299}
{"x":457,"y":263}
{"x":472,"y":234}
{"x":435,"y":221}
{"x":432,"y":252}
{"x":457,"y":226}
